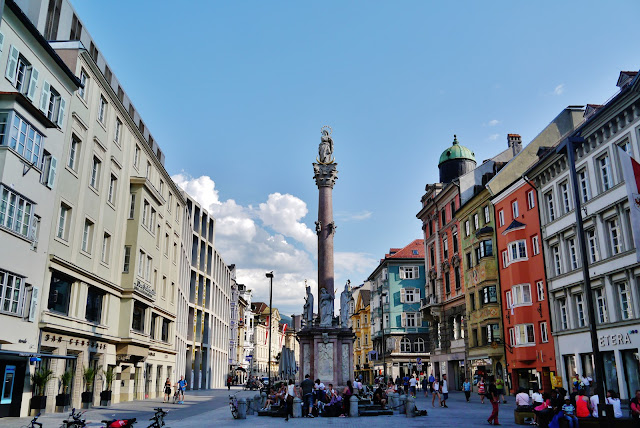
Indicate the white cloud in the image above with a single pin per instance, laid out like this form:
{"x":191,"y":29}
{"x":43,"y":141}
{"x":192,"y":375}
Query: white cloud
{"x":493,"y":122}
{"x":494,"y":137}
{"x":558,"y":90}
{"x":282,"y":213}
{"x":359,"y":216}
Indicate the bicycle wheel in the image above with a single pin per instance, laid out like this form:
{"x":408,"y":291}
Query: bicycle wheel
{"x":234,"y":410}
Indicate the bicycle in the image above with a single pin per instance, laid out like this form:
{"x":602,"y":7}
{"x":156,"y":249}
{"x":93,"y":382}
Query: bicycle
{"x":33,"y":423}
{"x":233,"y":405}
{"x":75,"y":420}
{"x":158,"y":418}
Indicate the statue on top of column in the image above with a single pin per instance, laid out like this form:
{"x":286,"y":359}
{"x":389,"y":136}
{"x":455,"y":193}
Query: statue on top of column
{"x":325,"y":308}
{"x":345,"y":296}
{"x":307,"y":314}
{"x":325,"y":150}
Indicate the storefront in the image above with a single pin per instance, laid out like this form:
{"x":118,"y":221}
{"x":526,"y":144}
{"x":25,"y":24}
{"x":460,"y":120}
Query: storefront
{"x":619,"y":349}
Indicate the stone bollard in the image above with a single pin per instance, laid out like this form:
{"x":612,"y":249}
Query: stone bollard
{"x":395,"y":403}
{"x":411,"y":407}
{"x":297,"y":407}
{"x":263,"y":399}
{"x":353,"y":407}
{"x":403,"y":404}
{"x":250,"y":406}
{"x":257,"y":403}
{"x":242,"y":408}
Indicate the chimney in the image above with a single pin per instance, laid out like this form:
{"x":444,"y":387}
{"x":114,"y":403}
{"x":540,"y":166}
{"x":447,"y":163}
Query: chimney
{"x":515,"y":142}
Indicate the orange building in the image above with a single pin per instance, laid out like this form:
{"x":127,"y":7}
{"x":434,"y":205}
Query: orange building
{"x":530,"y":353}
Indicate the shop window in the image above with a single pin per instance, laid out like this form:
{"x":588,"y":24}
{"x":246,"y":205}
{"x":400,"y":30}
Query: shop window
{"x":95,"y":297}
{"x":59,"y":293}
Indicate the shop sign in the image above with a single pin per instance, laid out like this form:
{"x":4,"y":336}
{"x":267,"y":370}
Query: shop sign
{"x":615,"y":339}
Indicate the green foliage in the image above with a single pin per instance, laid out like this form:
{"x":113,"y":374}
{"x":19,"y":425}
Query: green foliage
{"x":65,"y":380}
{"x":89,"y":376}
{"x":109,"y":376}
{"x":39,"y":378}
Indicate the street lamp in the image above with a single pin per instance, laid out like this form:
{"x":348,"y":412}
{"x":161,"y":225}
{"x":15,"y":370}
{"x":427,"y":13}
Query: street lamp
{"x":270,"y":276}
{"x":384,"y":363}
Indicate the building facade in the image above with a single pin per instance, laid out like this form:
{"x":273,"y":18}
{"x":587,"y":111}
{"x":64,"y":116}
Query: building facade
{"x":615,"y":272}
{"x":399,"y":333}
{"x":361,"y":325}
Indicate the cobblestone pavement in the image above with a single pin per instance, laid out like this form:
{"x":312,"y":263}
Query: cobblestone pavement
{"x":210,"y":408}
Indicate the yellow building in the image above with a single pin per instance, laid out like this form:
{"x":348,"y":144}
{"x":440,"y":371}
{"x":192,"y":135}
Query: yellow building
{"x":361,"y":324}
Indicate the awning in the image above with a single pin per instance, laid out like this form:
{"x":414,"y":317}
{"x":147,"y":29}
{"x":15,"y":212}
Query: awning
{"x":241,"y":369}
{"x":36,"y":354}
{"x":131,"y":352}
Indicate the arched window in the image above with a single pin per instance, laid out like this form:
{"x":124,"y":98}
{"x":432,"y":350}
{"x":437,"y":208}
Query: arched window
{"x":419,"y":345}
{"x":405,"y":345}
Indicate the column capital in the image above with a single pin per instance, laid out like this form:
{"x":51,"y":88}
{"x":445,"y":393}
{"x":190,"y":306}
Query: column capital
{"x":325,"y":174}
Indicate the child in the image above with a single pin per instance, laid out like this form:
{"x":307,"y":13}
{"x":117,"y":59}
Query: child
{"x":569,"y":411}
{"x":481,"y":389}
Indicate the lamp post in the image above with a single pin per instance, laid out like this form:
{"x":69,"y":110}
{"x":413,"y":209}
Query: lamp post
{"x":270,"y":276}
{"x":384,"y":363}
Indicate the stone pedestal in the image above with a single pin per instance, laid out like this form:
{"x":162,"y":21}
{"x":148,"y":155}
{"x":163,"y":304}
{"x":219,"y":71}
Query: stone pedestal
{"x":326,"y":354}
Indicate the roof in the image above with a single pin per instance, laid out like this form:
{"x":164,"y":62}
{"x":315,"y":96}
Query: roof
{"x":456,"y":151}
{"x":415,"y":250}
{"x":259,"y":307}
{"x":515,"y":224}
{"x":365,"y":295}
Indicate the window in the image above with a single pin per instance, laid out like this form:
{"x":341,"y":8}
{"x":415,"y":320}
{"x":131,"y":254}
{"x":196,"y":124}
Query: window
{"x":531,"y":199}
{"x":447,"y":283}
{"x":102,"y":110}
{"x":564,"y":192}
{"x":148,"y":266}
{"x":614,"y":236}
{"x":456,"y":273}
{"x":573,"y":256}
{"x":491,"y":333}
{"x":132,"y":205}
{"x":505,"y":259}
{"x":514,"y":209}
{"x":53,"y":17}
{"x":487,"y":216}
{"x":164,"y":334}
{"x":432,"y":256}
{"x":411,"y":295}
{"x":562,"y":309}
{"x":175,"y":253}
{"x":580,"y":310}
{"x":63,"y":222}
{"x":141,"y":259}
{"x":508,"y":299}
{"x":489,"y":295}
{"x":444,"y":217}
{"x":52,"y":104}
{"x":474,"y":335}
{"x":161,"y":190}
{"x":93,"y":312}
{"x":521,"y":294}
{"x":113,"y":188}
{"x":95,"y":173}
{"x":469,"y":261}
{"x":116,"y":136}
{"x":76,"y":28}
{"x":87,"y":236}
{"x":166,"y":244}
{"x":540,"y":290}
{"x":136,"y":157}
{"x":84,"y":79}
{"x":512,"y":336}
{"x":137,"y":323}
{"x":145,"y":214}
{"x":472,"y":299}
{"x":467,"y":228}
{"x":419,"y":345}
{"x":405,"y":345}
{"x":626,"y":306}
{"x":517,"y":251}
{"x":601,"y":304}
{"x":501,"y":217}
{"x":535,"y":243}
{"x":409,"y":272}
{"x":410,"y":319}
{"x":454,"y":239}
{"x":11,"y":293}
{"x":453,"y":208}
{"x":557,"y":261}
{"x":476,"y":222}
{"x":605,"y":172}
{"x":106,"y":248}
{"x":59,"y":293}
{"x":584,"y":185}
{"x":148,"y":171}
{"x":593,"y":245}
{"x":16,"y":213}
{"x":170,"y":202}
{"x":23,"y":138}
{"x":127,"y":259}
{"x":550,"y":208}
{"x":445,"y":247}
{"x":485,"y":249}
{"x":544,"y":333}
{"x":525,"y":335}
{"x":74,"y":153}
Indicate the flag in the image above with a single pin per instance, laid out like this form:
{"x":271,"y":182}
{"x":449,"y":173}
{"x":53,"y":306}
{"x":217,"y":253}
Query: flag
{"x":631,"y":172}
{"x":284,"y":330}
{"x":267,"y":336}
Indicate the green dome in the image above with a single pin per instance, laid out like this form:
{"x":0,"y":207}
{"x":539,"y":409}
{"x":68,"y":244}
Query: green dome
{"x":456,"y":151}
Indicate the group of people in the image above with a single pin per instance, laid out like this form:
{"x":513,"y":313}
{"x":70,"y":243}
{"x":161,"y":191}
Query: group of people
{"x":180,"y":386}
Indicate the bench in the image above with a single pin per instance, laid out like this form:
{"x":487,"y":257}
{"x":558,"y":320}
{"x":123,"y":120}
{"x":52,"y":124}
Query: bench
{"x":520,"y":416}
{"x":593,"y":423}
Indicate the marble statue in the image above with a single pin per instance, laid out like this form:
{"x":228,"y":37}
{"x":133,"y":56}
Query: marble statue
{"x":325,"y":150}
{"x":345,"y":296}
{"x":326,"y":308}
{"x":308,"y":305}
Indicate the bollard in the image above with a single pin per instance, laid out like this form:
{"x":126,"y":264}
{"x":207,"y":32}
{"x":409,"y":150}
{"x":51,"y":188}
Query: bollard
{"x":411,"y":407}
{"x":297,"y":407}
{"x":353,"y":406}
{"x":250,"y":406}
{"x":257,"y":400}
{"x":263,"y":399}
{"x":403,"y":404}
{"x":395,"y":403}
{"x":242,"y":408}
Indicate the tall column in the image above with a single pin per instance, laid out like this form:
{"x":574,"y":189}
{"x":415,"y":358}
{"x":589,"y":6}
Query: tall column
{"x":325,"y":176}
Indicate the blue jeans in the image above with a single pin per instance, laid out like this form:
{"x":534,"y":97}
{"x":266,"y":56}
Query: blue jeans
{"x":573,"y":421}
{"x":307,"y":401}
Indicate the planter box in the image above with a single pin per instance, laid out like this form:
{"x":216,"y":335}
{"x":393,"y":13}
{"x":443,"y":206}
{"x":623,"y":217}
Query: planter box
{"x":38,"y":403}
{"x":105,"y":398}
{"x":63,"y":402}
{"x":87,"y":400}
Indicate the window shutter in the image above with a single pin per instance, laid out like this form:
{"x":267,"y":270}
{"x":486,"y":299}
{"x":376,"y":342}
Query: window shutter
{"x":60,"y":120}
{"x":44,"y":98}
{"x":1,"y":42}
{"x":12,"y":64}
{"x":33,"y":83}
{"x":34,"y":304}
{"x":52,"y":172}
{"x":419,"y":319}
{"x":402,"y":295}
{"x":403,"y":322}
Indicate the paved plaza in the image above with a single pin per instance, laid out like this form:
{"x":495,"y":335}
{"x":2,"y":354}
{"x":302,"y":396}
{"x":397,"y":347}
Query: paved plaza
{"x":210,"y":408}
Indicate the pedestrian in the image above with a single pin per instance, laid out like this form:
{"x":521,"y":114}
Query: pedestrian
{"x":425,"y":386}
{"x":582,"y":405}
{"x":466,"y":387}
{"x":346,"y":399}
{"x":481,"y":389}
{"x":167,"y":390}
{"x":436,"y":391}
{"x":181,"y":385}
{"x":634,"y":405}
{"x":500,"y":387}
{"x":569,"y":412}
{"x":612,"y":398}
{"x":307,"y":396}
{"x":413,"y":382}
{"x":431,"y":380}
{"x":445,"y":391}
{"x":586,"y":381}
{"x":291,"y":393}
{"x":492,"y":393}
{"x":228,"y":383}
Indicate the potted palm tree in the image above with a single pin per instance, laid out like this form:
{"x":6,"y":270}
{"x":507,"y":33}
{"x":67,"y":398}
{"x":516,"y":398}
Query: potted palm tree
{"x":39,"y":378}
{"x":89,"y":376}
{"x":105,"y":396}
{"x":63,"y":400}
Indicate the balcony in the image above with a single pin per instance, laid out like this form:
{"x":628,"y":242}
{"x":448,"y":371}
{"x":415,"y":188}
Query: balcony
{"x":429,"y":301}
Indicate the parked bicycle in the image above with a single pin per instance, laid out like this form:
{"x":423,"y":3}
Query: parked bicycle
{"x":75,"y":420}
{"x":33,"y":423}
{"x":233,"y":405}
{"x":158,"y":418}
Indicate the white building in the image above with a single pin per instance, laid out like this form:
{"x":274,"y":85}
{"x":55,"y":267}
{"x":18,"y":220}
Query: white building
{"x":612,"y":257}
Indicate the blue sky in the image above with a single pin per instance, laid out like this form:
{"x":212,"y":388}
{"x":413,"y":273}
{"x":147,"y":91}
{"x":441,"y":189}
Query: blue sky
{"x":236,"y":93}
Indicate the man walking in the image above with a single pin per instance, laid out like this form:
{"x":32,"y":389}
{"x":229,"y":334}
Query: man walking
{"x":181,"y":385}
{"x":445,"y":391}
{"x":425,"y":386}
{"x":431,"y":380}
{"x":307,"y":395}
{"x":492,"y":393}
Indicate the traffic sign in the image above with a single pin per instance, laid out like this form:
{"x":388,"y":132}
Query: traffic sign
{"x":419,"y":360}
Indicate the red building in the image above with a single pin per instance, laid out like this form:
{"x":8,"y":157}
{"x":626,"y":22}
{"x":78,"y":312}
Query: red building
{"x":530,"y":352}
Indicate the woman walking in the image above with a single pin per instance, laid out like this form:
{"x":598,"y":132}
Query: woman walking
{"x":436,"y":391}
{"x":167,"y":391}
{"x":466,"y":387}
{"x":481,"y":390}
